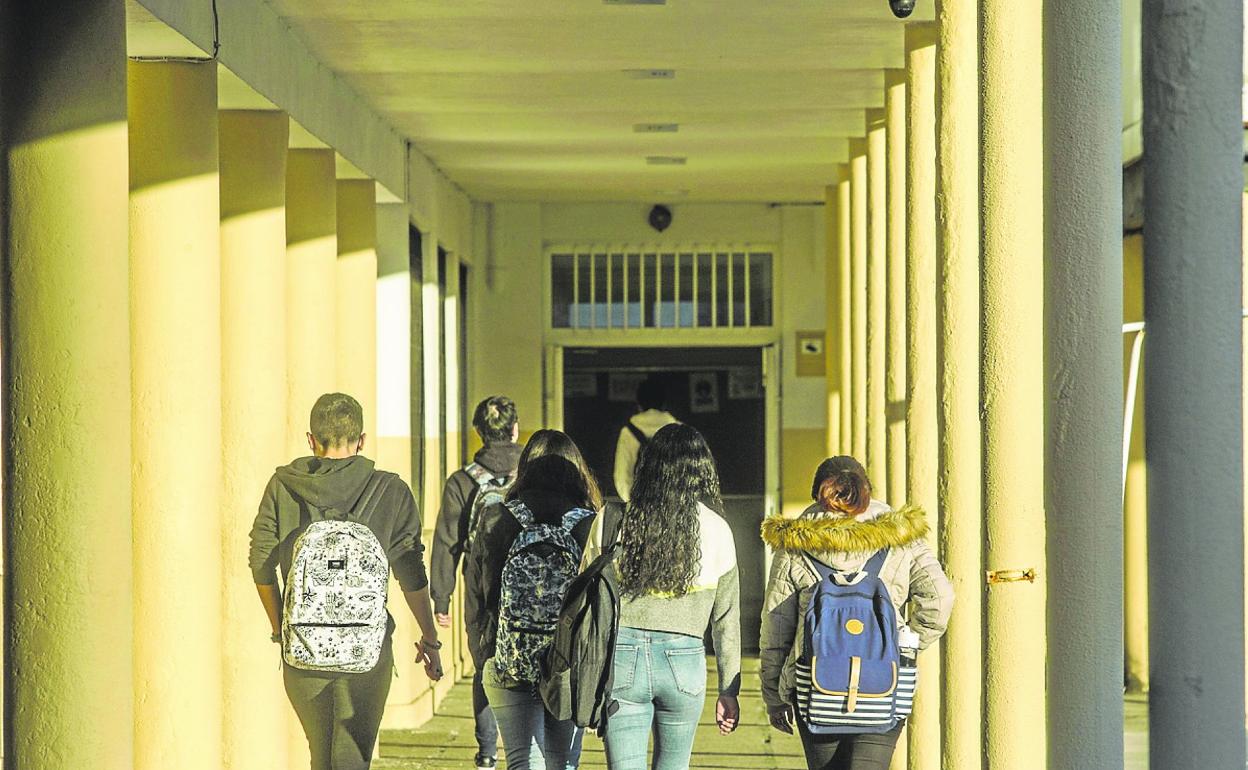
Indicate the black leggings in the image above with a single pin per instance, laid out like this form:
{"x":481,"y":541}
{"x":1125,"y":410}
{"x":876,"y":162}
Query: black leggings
{"x":863,"y":751}
{"x":341,"y":713}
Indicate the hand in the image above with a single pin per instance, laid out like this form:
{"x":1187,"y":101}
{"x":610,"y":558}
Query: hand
{"x":432,"y":659}
{"x":781,"y":718}
{"x":727,"y":713}
{"x":443,"y":619}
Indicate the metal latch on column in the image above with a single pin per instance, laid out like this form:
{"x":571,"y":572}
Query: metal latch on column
{"x":1010,"y":576}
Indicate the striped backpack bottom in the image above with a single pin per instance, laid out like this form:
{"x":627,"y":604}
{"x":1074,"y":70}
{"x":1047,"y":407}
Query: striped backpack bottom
{"x":824,"y":713}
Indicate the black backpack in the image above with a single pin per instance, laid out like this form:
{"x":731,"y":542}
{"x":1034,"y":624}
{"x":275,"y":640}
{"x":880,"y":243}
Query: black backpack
{"x":577,"y":670}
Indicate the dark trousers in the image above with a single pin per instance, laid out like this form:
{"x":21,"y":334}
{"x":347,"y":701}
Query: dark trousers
{"x":863,"y":751}
{"x":341,"y":713}
{"x":486,"y":725}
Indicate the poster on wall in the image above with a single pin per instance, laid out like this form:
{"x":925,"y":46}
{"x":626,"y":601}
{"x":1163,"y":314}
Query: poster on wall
{"x":622,"y":386}
{"x":745,"y":384}
{"x":703,"y":392}
{"x":580,"y":385}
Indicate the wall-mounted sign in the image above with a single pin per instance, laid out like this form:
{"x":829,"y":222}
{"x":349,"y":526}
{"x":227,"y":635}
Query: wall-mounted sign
{"x":703,"y":392}
{"x":622,"y":386}
{"x":580,"y":385}
{"x":810,"y":354}
{"x":745,"y":383}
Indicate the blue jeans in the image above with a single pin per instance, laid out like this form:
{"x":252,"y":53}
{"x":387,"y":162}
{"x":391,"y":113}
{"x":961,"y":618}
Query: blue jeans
{"x":532,"y":738}
{"x":660,"y":683}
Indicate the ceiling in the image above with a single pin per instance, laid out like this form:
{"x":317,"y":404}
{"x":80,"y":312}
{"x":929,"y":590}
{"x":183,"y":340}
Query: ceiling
{"x":533,"y":100}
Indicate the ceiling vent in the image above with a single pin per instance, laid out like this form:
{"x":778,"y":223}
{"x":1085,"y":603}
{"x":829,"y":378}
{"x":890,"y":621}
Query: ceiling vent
{"x":666,"y":160}
{"x":651,"y":74}
{"x":655,"y":128}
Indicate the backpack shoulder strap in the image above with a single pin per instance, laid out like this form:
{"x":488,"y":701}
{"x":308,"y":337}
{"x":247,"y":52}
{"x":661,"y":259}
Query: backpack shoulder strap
{"x":875,"y":563}
{"x":642,"y":438}
{"x":574,"y":517}
{"x":612,"y":517}
{"x":521,"y":512}
{"x":479,"y":474}
{"x":822,"y":570}
{"x":371,"y":491}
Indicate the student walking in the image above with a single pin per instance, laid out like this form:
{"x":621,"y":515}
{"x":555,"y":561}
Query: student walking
{"x":826,"y":619}
{"x":468,"y":492}
{"x":525,"y":554}
{"x":637,"y":432}
{"x":678,"y":574}
{"x":336,"y":525}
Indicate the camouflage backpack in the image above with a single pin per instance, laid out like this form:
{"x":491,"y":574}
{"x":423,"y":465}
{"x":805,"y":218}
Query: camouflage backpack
{"x":542,"y":562}
{"x":335,"y":605}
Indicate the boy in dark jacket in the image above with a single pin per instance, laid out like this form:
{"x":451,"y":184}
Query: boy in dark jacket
{"x":496,"y":422}
{"x":341,"y":712}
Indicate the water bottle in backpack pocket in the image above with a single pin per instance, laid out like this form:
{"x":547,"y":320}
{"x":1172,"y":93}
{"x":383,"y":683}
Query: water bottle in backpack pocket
{"x":849,"y":674}
{"x":541,"y":564}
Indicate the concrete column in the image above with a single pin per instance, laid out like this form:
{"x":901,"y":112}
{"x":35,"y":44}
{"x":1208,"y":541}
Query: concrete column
{"x":452,"y":328}
{"x":311,"y":316}
{"x":63,"y":198}
{"x":1193,"y":382}
{"x":1012,"y":389}
{"x":922,"y":438}
{"x":357,"y":299}
{"x":311,"y":299}
{"x":858,"y":291}
{"x":877,"y":302}
{"x":1083,"y":340}
{"x":175,"y":322}
{"x":844,"y":258}
{"x":253,"y":416}
{"x":832,"y":320}
{"x":895,"y":288}
{"x":957,"y":298}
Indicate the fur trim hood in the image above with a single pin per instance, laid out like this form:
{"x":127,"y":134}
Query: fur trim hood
{"x":818,"y":532}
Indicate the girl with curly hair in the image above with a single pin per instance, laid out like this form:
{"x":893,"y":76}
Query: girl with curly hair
{"x":678,"y":574}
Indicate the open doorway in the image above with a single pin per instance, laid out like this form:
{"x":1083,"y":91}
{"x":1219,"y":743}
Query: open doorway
{"x":721,"y":391}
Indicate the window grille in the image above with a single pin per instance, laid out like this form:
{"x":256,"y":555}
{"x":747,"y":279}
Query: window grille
{"x":640,"y":288}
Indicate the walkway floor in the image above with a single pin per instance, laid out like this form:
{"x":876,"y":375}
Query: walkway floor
{"x":446,"y":743}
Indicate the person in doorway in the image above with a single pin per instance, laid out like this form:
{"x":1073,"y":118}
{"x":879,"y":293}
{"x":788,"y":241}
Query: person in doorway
{"x":843,"y":533}
{"x":468,"y":492}
{"x":341,"y":712}
{"x":523,"y":557}
{"x":678,"y":574}
{"x":637,"y":432}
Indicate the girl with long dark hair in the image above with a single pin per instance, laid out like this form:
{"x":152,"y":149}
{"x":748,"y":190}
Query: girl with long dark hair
{"x":843,"y":530}
{"x":554,"y":488}
{"x":678,"y":574}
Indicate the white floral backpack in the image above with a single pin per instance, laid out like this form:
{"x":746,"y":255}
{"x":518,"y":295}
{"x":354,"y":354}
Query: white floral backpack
{"x":335,"y":605}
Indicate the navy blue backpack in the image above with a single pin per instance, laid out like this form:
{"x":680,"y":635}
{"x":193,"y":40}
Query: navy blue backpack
{"x":851,"y":676}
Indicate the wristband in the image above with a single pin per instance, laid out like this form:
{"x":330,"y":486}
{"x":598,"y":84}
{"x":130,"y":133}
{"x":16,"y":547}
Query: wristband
{"x":426,"y":644}
{"x":276,"y":637}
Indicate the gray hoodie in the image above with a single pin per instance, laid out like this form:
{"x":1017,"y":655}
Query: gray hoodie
{"x":315,"y":488}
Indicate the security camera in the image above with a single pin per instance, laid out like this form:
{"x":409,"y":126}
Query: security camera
{"x":901,"y":8}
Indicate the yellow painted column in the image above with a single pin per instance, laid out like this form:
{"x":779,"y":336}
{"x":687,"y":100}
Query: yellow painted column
{"x":357,"y":299}
{"x":1135,"y":491}
{"x":922,"y":430}
{"x":175,"y":322}
{"x":877,"y":302}
{"x":63,"y":182}
{"x":844,"y":309}
{"x":1013,"y":376}
{"x":832,"y":320}
{"x":858,"y":292}
{"x":253,"y":418}
{"x":961,"y":527}
{"x":895,"y":304}
{"x":311,"y":316}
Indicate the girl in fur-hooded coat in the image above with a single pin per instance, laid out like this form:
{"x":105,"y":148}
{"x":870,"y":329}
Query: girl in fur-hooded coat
{"x":842,"y":529}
